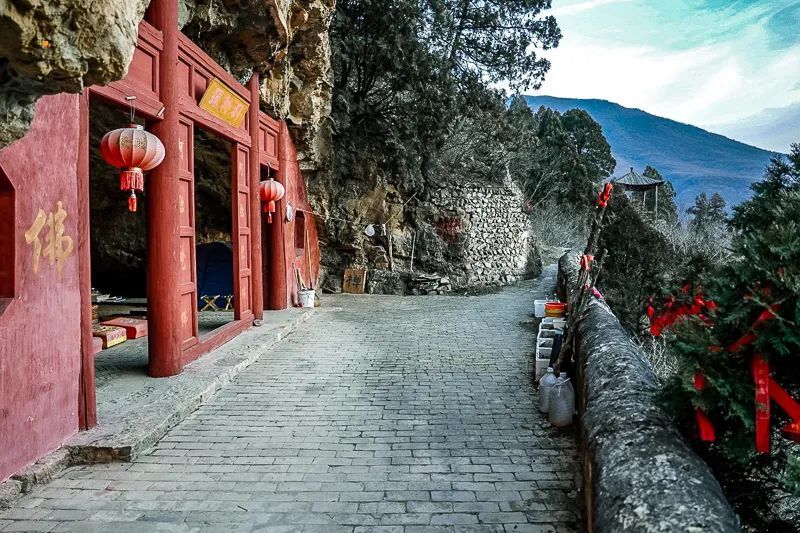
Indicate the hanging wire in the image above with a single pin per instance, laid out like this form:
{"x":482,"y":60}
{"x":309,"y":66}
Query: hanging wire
{"x":130,"y":100}
{"x":401,"y":208}
{"x":350,"y":221}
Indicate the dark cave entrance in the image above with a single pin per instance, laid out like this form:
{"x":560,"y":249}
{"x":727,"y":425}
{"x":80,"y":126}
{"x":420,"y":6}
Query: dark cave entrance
{"x":118,"y":236}
{"x":213,"y":179}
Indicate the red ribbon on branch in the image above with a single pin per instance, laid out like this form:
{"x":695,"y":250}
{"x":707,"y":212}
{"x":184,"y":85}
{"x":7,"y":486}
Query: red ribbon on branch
{"x":605,"y":195}
{"x":704,"y":425}
{"x":586,"y":262}
{"x":596,"y":293}
{"x":672,"y":311}
{"x":766,"y":388}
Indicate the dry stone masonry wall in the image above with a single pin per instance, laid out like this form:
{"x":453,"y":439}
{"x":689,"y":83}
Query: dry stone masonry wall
{"x":485,"y":230}
{"x":447,"y":236}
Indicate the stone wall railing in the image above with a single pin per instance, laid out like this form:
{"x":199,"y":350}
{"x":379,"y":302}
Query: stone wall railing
{"x":639,"y":473}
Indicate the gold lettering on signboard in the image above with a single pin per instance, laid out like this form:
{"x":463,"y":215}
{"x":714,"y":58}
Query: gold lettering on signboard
{"x":57,"y":246}
{"x":224,"y":103}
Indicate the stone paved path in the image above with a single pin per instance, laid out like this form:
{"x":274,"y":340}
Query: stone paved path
{"x":382,"y":414}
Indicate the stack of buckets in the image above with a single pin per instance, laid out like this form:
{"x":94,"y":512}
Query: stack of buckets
{"x":553,"y":315}
{"x":556,"y":394}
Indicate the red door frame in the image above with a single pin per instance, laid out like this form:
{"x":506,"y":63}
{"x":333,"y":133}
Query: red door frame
{"x":254,"y":143}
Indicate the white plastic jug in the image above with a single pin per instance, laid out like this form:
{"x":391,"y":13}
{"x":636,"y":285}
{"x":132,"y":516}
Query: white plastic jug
{"x":561,"y":402}
{"x":546,"y":383}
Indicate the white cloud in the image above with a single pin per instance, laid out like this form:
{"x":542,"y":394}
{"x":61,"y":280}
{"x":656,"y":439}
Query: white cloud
{"x":710,"y":84}
{"x":711,"y":65}
{"x":582,"y":6}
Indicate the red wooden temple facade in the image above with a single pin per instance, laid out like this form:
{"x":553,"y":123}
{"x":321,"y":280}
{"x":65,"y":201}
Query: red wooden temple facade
{"x":47,"y":390}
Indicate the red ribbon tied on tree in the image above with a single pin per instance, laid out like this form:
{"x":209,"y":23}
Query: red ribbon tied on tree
{"x":586,"y":262}
{"x":674,"y":311}
{"x":596,"y":293}
{"x":605,"y":195}
{"x":766,"y":388}
{"x":704,"y":425}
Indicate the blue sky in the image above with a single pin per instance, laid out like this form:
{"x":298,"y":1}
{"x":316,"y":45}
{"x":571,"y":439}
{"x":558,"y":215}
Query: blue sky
{"x":730,"y":66}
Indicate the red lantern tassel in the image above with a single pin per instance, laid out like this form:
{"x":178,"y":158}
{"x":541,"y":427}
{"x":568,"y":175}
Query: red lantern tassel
{"x":132,"y":202}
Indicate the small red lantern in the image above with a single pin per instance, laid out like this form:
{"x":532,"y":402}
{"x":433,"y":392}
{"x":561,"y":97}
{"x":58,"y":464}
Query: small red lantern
{"x":271,"y":192}
{"x":135,"y":151}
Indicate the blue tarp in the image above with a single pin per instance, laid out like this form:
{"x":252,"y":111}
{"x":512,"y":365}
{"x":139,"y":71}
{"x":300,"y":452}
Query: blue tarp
{"x":214,"y":272}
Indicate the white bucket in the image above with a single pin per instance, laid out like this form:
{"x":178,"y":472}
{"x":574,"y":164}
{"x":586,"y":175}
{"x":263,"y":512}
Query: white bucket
{"x":538,"y":308}
{"x":307,"y":298}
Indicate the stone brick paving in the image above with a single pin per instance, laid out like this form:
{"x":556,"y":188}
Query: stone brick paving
{"x":380,"y":414}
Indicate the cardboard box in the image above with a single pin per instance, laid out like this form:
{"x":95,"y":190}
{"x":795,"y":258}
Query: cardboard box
{"x":355,"y":280}
{"x":110,"y":335}
{"x":134,"y":327}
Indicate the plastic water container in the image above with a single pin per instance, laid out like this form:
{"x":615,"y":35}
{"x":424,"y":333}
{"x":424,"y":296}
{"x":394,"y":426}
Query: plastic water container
{"x":538,"y":308}
{"x":545,"y":384}
{"x":561,"y":402}
{"x":553,"y":323}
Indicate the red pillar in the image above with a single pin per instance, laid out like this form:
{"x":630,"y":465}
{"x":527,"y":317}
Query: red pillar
{"x":163,"y":237}
{"x":257,"y":291}
{"x":277,"y":268}
{"x":87,"y":404}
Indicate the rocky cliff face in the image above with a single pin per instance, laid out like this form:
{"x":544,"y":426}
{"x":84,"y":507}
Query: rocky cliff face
{"x":52,"y":46}
{"x":286,"y":42}
{"x":435,"y":237}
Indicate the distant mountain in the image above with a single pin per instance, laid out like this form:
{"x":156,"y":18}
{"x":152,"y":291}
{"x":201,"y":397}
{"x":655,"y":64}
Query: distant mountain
{"x":772,"y":129}
{"x":693,"y":159}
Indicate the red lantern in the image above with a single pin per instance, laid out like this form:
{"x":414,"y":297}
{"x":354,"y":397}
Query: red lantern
{"x":271,"y":192}
{"x":135,"y":151}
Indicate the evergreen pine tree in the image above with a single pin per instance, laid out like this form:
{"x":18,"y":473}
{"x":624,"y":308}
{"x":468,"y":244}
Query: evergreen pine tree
{"x":763,"y":276}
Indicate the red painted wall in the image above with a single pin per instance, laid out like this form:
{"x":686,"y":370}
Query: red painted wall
{"x":296,"y":194}
{"x":40,"y":327}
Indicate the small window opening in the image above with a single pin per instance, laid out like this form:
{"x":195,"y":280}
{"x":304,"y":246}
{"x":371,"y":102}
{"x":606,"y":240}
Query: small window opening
{"x":299,"y":233}
{"x":7,"y":237}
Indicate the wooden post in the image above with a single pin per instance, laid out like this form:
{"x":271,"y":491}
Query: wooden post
{"x":257,"y":278}
{"x":87,"y":403}
{"x":413,"y":246}
{"x":163,"y":235}
{"x":389,"y":248}
{"x":277,"y":268}
{"x":576,"y":299}
{"x":656,"y":210}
